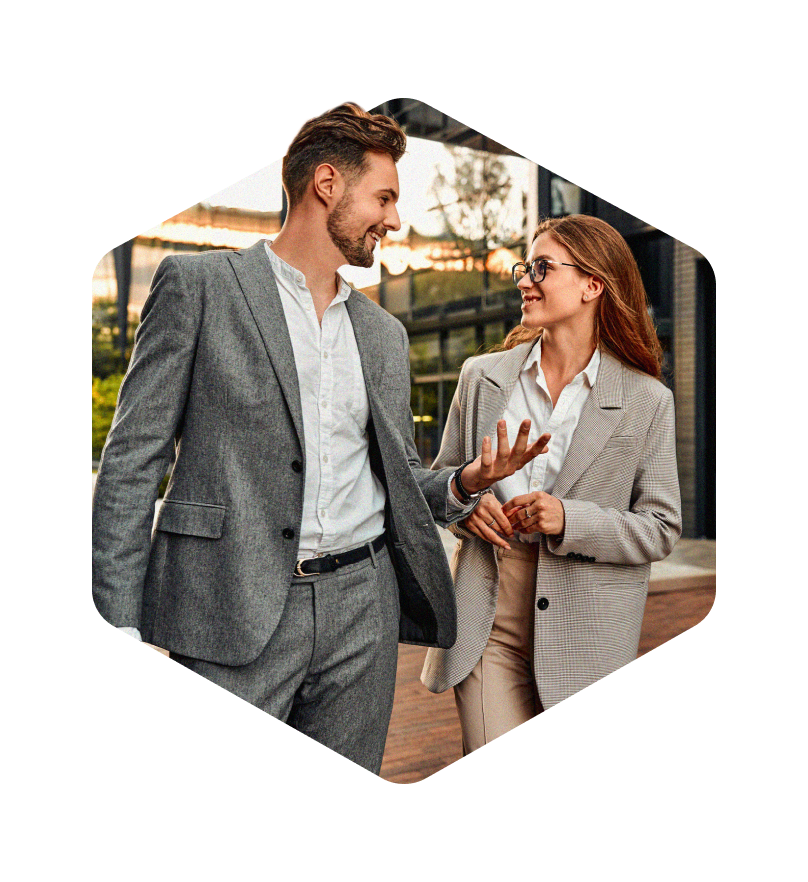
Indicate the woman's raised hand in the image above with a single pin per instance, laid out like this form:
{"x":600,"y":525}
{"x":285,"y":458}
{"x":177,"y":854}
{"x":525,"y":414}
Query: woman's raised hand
{"x":489,"y":468}
{"x":488,"y":518}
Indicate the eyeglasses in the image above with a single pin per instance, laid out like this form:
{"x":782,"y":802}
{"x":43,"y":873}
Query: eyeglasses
{"x":537,"y":269}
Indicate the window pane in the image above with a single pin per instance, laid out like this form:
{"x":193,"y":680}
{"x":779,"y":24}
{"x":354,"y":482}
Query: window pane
{"x":565,"y":198}
{"x":425,"y":354}
{"x":424,"y":403}
{"x":397,"y":294}
{"x":460,"y":344}
{"x":494,"y":333}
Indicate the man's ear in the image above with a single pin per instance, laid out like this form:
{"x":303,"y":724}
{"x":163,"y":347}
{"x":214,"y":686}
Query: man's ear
{"x":329,"y":184}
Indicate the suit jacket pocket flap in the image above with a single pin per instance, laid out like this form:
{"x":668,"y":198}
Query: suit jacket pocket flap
{"x":191,"y":518}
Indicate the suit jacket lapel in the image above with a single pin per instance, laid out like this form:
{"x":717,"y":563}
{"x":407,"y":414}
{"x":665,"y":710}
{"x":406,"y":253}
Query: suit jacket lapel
{"x":495,"y":390}
{"x":369,"y":340}
{"x":254,"y":273}
{"x":601,"y":414}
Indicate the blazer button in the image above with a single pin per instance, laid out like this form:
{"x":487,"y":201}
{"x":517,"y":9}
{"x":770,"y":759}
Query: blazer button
{"x":288,"y":533}
{"x":570,"y":554}
{"x":297,"y":466}
{"x":543,"y":603}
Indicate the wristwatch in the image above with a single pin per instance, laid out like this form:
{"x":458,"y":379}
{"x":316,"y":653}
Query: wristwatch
{"x":463,"y":494}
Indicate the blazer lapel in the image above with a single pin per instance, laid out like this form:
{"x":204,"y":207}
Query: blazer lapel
{"x":369,"y":340}
{"x":254,"y":273}
{"x":494,"y":391}
{"x":601,"y":414}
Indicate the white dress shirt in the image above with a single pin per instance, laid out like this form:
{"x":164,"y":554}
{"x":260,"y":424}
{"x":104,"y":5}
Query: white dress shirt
{"x":343,"y":501}
{"x":530,"y":399}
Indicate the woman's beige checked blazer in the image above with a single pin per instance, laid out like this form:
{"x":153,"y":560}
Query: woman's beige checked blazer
{"x":620,"y":492}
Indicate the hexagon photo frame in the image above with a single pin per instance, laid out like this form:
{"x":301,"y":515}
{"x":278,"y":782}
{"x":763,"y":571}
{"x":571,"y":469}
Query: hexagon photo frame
{"x":634,"y":563}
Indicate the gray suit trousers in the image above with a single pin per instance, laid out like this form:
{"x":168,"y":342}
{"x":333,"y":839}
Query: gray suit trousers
{"x":329,"y":669}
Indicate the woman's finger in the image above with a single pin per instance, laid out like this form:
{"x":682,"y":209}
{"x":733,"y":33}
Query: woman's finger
{"x":536,"y":448}
{"x":495,"y":517}
{"x":522,"y":501}
{"x":489,"y":535}
{"x":485,"y":453}
{"x":512,"y":514}
{"x":521,"y":440}
{"x":479,"y":522}
{"x":471,"y":525}
{"x":503,"y":448}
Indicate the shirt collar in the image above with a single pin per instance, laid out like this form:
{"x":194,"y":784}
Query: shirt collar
{"x":297,"y":278}
{"x":590,"y":371}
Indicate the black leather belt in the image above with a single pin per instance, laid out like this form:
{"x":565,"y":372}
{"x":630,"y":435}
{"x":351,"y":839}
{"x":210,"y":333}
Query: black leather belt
{"x":330,"y":562}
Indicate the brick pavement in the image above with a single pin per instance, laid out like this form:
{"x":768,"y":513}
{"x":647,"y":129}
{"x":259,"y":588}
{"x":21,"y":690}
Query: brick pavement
{"x":424,"y":734}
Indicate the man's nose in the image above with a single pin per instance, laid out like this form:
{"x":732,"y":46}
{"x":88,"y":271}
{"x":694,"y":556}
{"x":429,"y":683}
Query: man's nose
{"x":392,"y":221}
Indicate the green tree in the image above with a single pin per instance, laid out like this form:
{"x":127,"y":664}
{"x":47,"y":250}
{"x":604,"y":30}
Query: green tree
{"x":106,"y":352}
{"x":105,"y":395}
{"x":471,"y":199}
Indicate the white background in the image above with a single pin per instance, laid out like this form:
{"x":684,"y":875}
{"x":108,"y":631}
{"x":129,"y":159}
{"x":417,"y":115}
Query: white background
{"x":687,"y":763}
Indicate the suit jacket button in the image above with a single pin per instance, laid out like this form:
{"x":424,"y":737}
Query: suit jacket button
{"x":543,"y":603}
{"x":297,"y":466}
{"x":288,"y":533}
{"x":570,"y":554}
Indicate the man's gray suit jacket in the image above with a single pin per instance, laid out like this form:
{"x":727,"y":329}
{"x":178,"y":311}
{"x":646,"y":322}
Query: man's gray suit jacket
{"x":212,"y":380}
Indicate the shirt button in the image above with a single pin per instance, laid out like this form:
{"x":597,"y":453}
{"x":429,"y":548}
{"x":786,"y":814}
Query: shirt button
{"x":322,"y":512}
{"x":325,"y":355}
{"x":325,"y":457}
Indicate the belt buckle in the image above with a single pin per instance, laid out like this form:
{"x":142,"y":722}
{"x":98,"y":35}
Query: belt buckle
{"x":298,"y":570}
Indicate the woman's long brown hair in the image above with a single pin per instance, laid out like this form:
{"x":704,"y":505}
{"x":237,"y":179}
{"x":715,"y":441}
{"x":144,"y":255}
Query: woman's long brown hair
{"x":623,"y":326}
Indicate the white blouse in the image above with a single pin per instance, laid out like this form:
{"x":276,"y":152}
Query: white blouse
{"x":530,"y":399}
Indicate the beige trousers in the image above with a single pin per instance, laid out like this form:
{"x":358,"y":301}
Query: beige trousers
{"x":500,"y":692}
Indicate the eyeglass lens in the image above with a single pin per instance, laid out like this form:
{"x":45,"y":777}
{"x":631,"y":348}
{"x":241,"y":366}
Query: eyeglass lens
{"x":537,"y":271}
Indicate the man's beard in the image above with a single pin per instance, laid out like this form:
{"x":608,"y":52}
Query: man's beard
{"x":355,"y":251}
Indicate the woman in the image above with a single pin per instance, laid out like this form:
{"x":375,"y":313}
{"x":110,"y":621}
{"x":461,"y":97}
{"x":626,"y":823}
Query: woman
{"x":551,"y":571}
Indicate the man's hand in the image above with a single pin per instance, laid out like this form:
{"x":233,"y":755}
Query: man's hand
{"x":536,"y":512}
{"x":488,"y":520}
{"x":488,"y":469}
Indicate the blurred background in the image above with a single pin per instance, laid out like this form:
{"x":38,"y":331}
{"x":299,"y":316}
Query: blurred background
{"x":468,"y":206}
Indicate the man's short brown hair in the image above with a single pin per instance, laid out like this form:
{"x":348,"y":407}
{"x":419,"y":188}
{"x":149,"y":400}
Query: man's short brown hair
{"x":341,"y":137}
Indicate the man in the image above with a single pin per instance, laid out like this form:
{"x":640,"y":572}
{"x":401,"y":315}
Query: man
{"x":296,"y":542}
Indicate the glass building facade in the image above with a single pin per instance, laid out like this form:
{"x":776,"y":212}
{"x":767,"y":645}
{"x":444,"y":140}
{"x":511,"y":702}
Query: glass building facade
{"x":464,"y":301}
{"x":468,"y":207}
